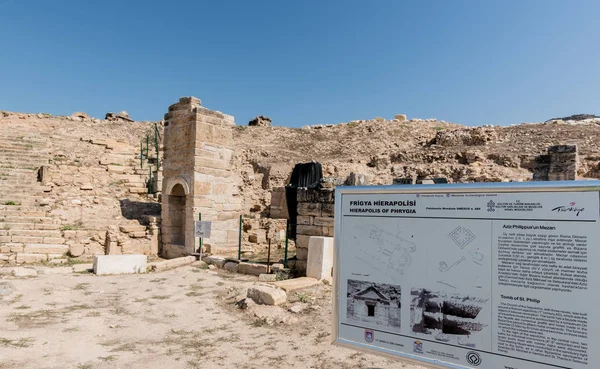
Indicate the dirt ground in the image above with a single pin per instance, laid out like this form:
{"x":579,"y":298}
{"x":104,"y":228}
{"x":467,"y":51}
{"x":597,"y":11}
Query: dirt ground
{"x":182,"y":318}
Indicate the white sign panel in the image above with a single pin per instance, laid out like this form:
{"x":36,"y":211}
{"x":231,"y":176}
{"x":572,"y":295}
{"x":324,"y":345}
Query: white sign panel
{"x":471,"y":276}
{"x":202,"y":229}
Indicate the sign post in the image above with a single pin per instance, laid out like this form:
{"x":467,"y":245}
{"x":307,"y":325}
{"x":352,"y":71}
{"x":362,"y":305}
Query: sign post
{"x":470,"y":275}
{"x":201,"y":230}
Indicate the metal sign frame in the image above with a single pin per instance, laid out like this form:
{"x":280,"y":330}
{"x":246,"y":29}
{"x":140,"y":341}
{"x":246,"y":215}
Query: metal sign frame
{"x":512,"y":187}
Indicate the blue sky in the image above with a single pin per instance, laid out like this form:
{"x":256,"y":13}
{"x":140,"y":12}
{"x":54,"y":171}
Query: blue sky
{"x":304,"y":62}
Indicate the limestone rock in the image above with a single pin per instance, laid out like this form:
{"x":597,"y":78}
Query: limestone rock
{"x":267,"y":278}
{"x":267,"y":295}
{"x":122,"y":116}
{"x":76,"y":249}
{"x":298,"y":307}
{"x":24,"y":272}
{"x":400,"y":117}
{"x":231,"y":266}
{"x":260,"y":121}
{"x":81,"y":115}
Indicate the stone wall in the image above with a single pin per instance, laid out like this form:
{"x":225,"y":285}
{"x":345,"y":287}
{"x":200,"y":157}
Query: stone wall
{"x":315,"y":218}
{"x":197,"y":178}
{"x":560,"y":164}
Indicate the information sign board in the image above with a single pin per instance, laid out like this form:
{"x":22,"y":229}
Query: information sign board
{"x":488,"y":276}
{"x":202,"y":229}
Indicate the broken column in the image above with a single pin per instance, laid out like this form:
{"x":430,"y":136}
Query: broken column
{"x":198,"y":178}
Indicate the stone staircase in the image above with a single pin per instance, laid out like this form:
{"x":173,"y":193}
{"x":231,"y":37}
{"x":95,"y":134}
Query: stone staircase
{"x":27,"y":232}
{"x":91,"y":185}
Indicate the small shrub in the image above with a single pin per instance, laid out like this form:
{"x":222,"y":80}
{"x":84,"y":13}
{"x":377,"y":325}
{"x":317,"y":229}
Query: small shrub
{"x":438,"y":128}
{"x":72,"y":227}
{"x":11,"y":203}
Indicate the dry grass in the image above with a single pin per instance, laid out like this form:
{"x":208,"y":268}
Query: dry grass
{"x":18,"y":343}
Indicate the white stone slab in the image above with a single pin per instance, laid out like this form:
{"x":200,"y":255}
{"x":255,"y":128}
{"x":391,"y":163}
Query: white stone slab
{"x":119,"y":264}
{"x":320,"y":258}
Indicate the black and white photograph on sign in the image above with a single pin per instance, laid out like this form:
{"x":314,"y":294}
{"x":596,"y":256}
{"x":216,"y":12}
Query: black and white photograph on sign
{"x":447,"y":317}
{"x":376,"y":304}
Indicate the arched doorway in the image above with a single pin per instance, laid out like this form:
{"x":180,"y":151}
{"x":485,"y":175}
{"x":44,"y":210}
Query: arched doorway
{"x":176,"y":216}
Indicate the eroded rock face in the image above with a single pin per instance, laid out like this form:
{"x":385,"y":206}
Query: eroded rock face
{"x":260,"y":121}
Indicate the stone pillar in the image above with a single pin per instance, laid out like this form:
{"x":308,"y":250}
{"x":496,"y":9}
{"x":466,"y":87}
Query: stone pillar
{"x":197,"y":178}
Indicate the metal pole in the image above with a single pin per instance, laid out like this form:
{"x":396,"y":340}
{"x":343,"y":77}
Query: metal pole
{"x":141,"y":154}
{"x":147,"y":146}
{"x":200,"y":238}
{"x":150,"y":179}
{"x":287,"y":227}
{"x":156,"y":145}
{"x":269,"y":258}
{"x":240,"y":240}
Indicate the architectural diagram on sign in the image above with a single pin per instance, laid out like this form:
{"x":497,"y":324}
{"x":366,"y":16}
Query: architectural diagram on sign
{"x":461,"y":237}
{"x":384,"y":251}
{"x":444,"y":267}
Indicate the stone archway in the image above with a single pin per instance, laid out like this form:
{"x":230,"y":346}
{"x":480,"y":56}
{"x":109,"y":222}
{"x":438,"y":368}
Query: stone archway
{"x":176,"y":206}
{"x":176,"y":216}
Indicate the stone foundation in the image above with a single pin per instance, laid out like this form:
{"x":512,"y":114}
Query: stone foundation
{"x":560,"y":164}
{"x":315,"y":218}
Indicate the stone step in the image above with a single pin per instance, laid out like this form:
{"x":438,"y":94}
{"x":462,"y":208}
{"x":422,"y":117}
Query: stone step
{"x":26,"y":219}
{"x":26,"y":258}
{"x":35,"y":233}
{"x":18,"y":201}
{"x":23,"y":187}
{"x":15,"y":150}
{"x":8,"y":191}
{"x":17,"y":171}
{"x":6,"y":156}
{"x":36,"y":213}
{"x":28,"y":226}
{"x":9,"y":166}
{"x":14,"y":180}
{"x":24,"y":162}
{"x":37,"y":240}
{"x":22,"y":209}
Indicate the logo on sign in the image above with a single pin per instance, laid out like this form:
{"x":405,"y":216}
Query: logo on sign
{"x":491,"y":206}
{"x":418,"y":347}
{"x":473,"y":358}
{"x":570,"y":208}
{"x":369,"y":336}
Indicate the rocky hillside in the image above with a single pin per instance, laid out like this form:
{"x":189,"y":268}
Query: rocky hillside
{"x":387,"y":149}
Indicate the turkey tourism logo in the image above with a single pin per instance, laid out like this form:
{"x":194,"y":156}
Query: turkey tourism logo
{"x":369,"y":336}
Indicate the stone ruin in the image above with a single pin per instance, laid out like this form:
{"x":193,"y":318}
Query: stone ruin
{"x":560,"y":164}
{"x":212,"y":168}
{"x":197,"y":178}
{"x":260,"y":121}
